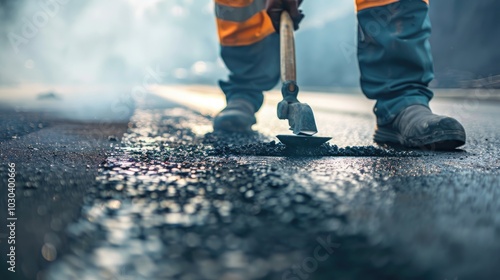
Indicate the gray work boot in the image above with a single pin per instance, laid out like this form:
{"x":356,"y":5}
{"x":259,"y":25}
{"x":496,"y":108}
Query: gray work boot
{"x":417,"y":127}
{"x":238,"y":116}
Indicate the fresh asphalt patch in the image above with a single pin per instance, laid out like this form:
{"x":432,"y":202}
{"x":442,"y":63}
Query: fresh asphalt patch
{"x":251,"y":144}
{"x":171,"y":204}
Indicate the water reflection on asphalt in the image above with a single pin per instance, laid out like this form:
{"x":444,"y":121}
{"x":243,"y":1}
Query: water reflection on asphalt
{"x":174,"y":203}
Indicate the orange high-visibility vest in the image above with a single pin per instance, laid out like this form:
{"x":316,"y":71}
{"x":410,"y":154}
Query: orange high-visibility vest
{"x":244,"y":22}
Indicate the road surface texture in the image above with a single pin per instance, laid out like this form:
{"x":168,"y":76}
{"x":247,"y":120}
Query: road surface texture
{"x":173,"y":200}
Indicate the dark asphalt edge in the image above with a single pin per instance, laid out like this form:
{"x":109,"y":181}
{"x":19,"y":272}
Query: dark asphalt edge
{"x":51,"y":155}
{"x":16,"y":123}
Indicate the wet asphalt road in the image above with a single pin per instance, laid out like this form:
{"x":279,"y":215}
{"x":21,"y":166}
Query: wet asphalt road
{"x":56,"y":161}
{"x":174,"y":201}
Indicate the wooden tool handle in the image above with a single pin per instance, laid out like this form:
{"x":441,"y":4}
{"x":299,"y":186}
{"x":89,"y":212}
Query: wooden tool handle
{"x":288,"y":69}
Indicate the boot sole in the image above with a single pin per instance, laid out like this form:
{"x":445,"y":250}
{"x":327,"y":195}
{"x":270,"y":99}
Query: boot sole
{"x":440,"y":140}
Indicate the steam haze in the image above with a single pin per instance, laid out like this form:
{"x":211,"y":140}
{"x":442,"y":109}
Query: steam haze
{"x":116,"y":42}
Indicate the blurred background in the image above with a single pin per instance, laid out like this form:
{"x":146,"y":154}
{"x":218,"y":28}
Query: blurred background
{"x":114,"y":42}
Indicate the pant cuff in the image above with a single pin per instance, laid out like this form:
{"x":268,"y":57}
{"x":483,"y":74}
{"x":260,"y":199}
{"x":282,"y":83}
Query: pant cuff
{"x":256,"y":99}
{"x":387,"y":110}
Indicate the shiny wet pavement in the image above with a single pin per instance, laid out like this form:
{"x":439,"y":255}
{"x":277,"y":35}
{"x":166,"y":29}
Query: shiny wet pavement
{"x":175,"y":201}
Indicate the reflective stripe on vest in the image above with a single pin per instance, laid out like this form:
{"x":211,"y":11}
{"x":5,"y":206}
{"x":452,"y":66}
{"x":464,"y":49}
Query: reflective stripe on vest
{"x":238,"y":13}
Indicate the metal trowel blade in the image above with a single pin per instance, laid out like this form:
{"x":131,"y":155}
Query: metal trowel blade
{"x":302,"y":141}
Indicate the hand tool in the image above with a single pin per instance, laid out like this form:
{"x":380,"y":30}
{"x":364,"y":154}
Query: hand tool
{"x":299,"y":115}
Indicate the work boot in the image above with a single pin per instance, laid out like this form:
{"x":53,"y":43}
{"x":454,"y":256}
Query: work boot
{"x":238,"y":116}
{"x":417,"y":127}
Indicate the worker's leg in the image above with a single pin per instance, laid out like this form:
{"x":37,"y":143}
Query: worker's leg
{"x":250,"y":50}
{"x":394,"y":54}
{"x":396,"y":68}
{"x":254,"y":69}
